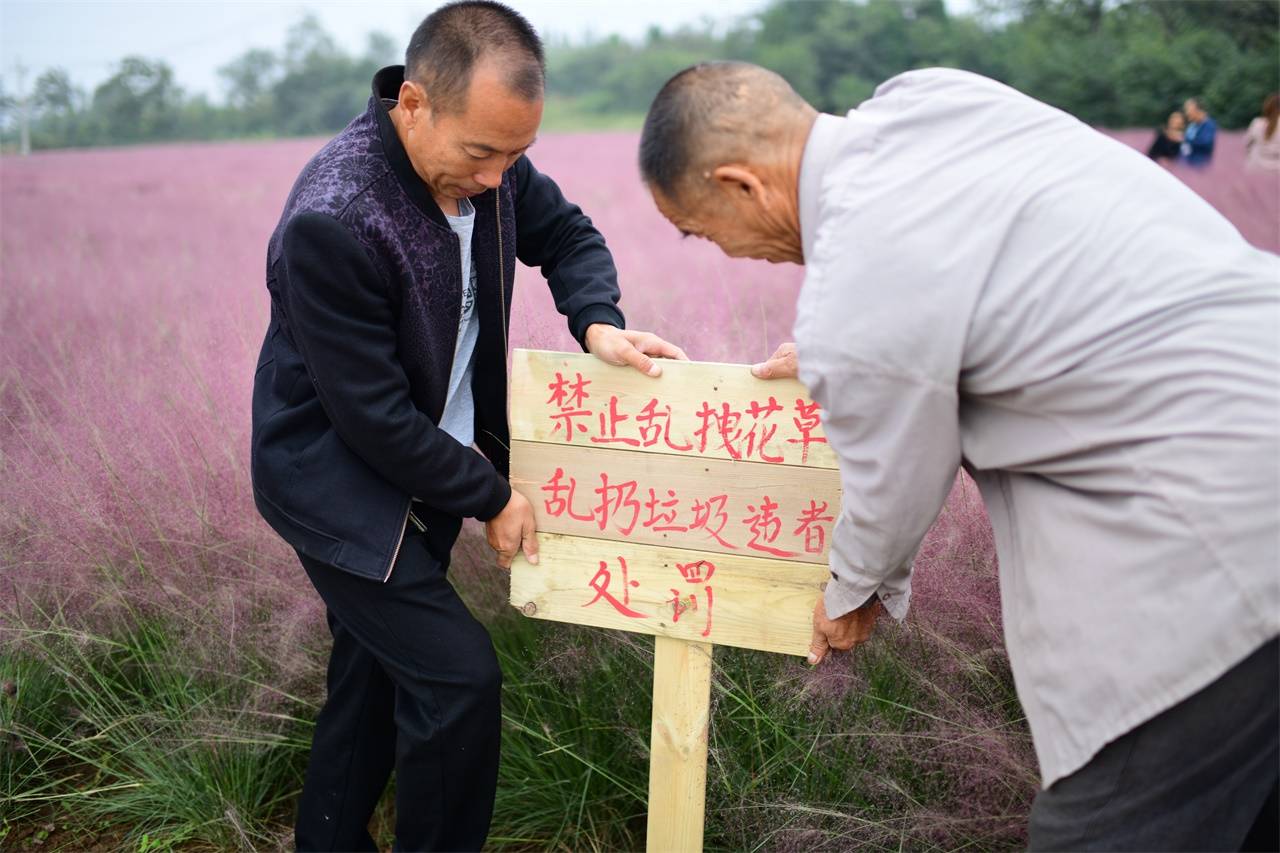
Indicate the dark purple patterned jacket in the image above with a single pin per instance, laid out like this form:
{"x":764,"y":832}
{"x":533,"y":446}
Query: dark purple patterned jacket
{"x":365,"y":281}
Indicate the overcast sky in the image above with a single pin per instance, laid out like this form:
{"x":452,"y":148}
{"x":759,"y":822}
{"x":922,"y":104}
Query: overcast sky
{"x":196,"y":37}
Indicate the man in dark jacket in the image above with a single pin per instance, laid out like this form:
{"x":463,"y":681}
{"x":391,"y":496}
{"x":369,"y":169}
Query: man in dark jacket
{"x":382,"y":373}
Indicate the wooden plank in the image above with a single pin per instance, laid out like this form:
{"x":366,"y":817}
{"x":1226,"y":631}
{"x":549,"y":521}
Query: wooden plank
{"x":546,"y":406}
{"x":754,"y":509}
{"x":678,"y":745}
{"x":749,"y":602}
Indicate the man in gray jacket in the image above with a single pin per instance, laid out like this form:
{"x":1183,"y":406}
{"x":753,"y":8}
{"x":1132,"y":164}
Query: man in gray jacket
{"x":1097,"y":347}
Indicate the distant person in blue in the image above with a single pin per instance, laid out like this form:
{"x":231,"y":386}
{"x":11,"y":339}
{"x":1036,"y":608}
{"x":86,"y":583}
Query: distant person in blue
{"x":1197,"y":140}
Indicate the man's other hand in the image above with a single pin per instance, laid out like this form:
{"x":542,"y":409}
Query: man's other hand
{"x":849,"y":630}
{"x":781,"y":365}
{"x":513,"y":529}
{"x":624,"y":346}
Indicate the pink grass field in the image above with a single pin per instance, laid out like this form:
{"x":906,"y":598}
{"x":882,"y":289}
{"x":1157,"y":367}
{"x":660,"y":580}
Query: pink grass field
{"x":131,"y":287}
{"x":134,"y":307}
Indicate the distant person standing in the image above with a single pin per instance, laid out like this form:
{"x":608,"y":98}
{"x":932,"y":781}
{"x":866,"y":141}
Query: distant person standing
{"x":1261,"y":142}
{"x":1202,"y":131}
{"x":1168,"y":142}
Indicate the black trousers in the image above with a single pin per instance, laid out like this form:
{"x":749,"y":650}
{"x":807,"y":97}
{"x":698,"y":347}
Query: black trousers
{"x":1203,"y":775}
{"x":413,"y":684}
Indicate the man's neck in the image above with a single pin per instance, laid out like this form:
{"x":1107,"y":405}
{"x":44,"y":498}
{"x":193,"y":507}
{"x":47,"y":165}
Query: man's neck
{"x":793,"y":161}
{"x":448,"y":205}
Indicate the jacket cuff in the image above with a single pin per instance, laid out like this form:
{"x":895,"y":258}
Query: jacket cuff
{"x":841,"y":597}
{"x":499,"y":494}
{"x":598,"y":313}
{"x":845,"y":596}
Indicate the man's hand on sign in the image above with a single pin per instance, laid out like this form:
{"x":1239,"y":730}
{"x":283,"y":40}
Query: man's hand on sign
{"x":513,"y":529}
{"x":625,"y":346}
{"x":781,"y":365}
{"x":845,"y":632}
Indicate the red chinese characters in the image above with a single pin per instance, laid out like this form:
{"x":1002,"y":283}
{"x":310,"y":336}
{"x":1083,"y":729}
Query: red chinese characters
{"x":569,"y":397}
{"x":654,"y":424}
{"x":811,"y":527}
{"x":609,"y":427}
{"x":693,"y":593}
{"x":765,"y":526}
{"x":635,"y":510}
{"x":711,"y":517}
{"x":560,"y":500}
{"x":615,"y":502}
{"x":726,"y":428}
{"x":755,"y":432}
{"x":662,"y":513}
{"x":697,"y":573}
{"x":600,"y":583}
{"x":806,"y":421}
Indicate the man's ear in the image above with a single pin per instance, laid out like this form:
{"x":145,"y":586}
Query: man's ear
{"x":738,"y":183}
{"x":414,"y":105}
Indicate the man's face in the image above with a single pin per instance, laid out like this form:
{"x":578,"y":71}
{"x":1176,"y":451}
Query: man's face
{"x":1193,"y":111}
{"x":462,"y":154}
{"x":731,"y":219}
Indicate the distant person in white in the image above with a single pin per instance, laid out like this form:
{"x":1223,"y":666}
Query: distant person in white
{"x":1261,"y":141}
{"x":1097,"y":347}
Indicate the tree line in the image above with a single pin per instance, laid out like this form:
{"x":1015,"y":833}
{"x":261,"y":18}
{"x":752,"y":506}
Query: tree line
{"x":1110,"y":62}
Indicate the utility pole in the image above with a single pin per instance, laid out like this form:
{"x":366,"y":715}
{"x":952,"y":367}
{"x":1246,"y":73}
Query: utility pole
{"x":24,"y":110}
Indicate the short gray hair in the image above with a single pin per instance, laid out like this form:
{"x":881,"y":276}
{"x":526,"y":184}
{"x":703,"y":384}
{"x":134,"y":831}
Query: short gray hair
{"x":707,"y":109}
{"x":447,"y":45}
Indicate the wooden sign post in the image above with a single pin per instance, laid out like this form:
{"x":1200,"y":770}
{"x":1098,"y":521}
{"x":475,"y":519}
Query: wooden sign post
{"x":696,"y":507}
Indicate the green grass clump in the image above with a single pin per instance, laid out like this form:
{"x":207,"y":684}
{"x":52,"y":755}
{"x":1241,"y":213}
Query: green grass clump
{"x":127,"y":728}
{"x":857,"y":755}
{"x":150,"y":723}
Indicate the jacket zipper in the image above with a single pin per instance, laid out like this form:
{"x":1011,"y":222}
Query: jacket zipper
{"x":404,"y":527}
{"x":502,"y":284}
{"x":502,"y":293}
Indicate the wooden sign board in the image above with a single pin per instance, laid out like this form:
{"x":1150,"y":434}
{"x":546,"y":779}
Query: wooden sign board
{"x":696,"y":507}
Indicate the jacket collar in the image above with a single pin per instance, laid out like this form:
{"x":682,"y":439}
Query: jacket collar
{"x":386,"y":87}
{"x":823,"y":139}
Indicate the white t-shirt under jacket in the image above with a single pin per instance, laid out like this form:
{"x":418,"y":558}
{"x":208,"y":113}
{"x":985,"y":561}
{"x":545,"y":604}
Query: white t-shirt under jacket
{"x":990,"y":282}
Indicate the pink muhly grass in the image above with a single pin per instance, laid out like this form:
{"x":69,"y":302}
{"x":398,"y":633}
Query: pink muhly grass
{"x":1250,"y":199}
{"x":131,"y":283}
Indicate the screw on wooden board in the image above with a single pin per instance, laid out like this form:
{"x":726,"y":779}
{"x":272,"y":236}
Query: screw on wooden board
{"x":529,"y":608}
